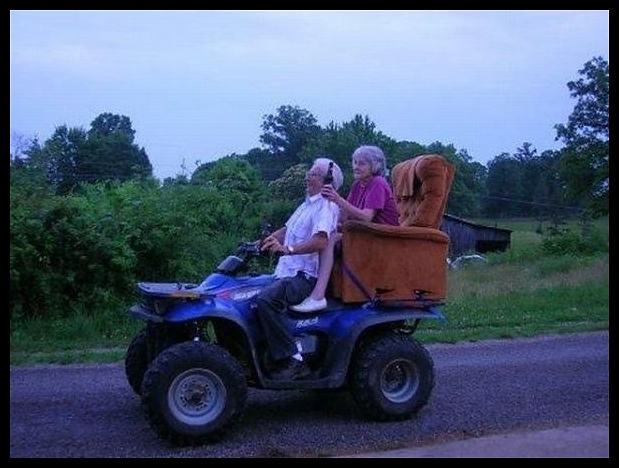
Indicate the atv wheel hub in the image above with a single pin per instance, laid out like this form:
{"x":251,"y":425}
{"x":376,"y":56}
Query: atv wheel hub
{"x":196,"y":396}
{"x":399,"y":380}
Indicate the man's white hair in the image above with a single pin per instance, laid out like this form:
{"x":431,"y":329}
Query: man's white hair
{"x":323,"y":165}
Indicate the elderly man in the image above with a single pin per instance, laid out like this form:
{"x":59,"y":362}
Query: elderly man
{"x":304,"y":235}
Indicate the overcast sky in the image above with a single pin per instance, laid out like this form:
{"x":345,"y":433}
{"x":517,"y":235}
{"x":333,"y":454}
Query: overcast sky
{"x":196,"y":84}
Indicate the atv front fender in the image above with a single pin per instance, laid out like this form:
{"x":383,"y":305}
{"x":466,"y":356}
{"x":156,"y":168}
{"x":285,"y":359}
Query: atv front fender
{"x":219,"y":311}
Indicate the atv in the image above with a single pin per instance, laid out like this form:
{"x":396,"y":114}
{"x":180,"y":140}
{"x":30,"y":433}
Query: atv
{"x":202,"y":347}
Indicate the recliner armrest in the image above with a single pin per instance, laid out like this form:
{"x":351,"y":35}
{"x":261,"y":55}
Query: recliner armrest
{"x":406,"y":232}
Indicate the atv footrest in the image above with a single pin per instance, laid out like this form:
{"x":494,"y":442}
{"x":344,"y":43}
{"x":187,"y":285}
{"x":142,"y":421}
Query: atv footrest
{"x":332,"y":305}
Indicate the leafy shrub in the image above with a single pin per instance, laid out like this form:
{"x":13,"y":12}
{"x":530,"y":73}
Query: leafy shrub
{"x":291,"y":184}
{"x":277,"y":212}
{"x":85,"y":251}
{"x":562,"y":242}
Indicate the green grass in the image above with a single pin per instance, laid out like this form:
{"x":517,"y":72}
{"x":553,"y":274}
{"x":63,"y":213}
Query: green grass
{"x":68,"y":357}
{"x":531,"y":225}
{"x":521,"y":292}
{"x":531,"y":312}
{"x":79,"y":331}
{"x":484,"y":281}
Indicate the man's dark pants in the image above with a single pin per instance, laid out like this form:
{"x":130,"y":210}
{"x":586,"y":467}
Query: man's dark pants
{"x":272,"y":303}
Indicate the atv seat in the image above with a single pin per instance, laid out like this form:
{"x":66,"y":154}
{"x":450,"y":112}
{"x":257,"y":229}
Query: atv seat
{"x":392,"y":262}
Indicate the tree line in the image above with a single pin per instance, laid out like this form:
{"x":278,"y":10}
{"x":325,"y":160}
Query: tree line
{"x":523,"y":183}
{"x":88,"y":218}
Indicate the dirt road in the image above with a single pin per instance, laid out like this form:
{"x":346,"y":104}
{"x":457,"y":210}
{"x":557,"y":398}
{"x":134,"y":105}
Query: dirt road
{"x":483,"y":388}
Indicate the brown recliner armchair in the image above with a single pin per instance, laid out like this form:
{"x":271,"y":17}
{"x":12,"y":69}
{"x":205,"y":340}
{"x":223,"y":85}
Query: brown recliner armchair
{"x":392,"y":262}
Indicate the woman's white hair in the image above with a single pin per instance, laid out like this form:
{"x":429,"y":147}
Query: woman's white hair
{"x":338,"y":176}
{"x":374,"y":156}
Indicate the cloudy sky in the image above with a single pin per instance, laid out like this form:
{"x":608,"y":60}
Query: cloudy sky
{"x":196,"y":84}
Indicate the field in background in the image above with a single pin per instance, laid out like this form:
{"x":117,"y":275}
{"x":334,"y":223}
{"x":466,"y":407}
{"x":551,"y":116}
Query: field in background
{"x":531,"y":225}
{"x":523,"y":292}
{"x":517,"y":293}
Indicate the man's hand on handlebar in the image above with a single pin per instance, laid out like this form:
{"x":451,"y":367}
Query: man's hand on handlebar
{"x":272,"y":245}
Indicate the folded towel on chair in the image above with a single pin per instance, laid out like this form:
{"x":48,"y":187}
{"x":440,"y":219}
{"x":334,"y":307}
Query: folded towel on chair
{"x":421,"y":187}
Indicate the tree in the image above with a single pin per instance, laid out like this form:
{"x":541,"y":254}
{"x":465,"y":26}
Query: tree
{"x":106,"y":152}
{"x":468,"y":186}
{"x":584,"y":163}
{"x":469,"y":179}
{"x":29,"y":171}
{"x":548,"y":191}
{"x":288,"y":131}
{"x":339,"y":141}
{"x":404,"y":150}
{"x":268,"y":164}
{"x":236,"y":181}
{"x":113,"y":157}
{"x":230,"y":173}
{"x":111,"y":153}
{"x":107,"y":124}
{"x":19,"y":145}
{"x":64,"y":152}
{"x":526,"y":153}
{"x":530,"y":176}
{"x":179,"y":179}
{"x":504,"y":176}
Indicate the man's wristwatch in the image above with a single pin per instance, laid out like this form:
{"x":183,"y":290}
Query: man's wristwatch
{"x":289,"y":250}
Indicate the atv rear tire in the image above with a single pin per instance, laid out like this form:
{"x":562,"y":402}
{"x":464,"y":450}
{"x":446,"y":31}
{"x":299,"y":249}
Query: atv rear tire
{"x":136,"y":360}
{"x":192,"y":392}
{"x":392,"y":377}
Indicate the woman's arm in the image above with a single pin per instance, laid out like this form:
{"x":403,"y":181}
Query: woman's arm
{"x":352,"y":212}
{"x":347,"y":210}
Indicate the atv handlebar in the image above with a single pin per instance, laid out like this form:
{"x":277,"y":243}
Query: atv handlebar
{"x":247,"y":250}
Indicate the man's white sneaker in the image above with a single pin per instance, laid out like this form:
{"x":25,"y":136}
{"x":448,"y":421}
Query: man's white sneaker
{"x":310,"y":305}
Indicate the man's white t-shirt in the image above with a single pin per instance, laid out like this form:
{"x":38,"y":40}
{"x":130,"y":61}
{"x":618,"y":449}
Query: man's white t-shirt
{"x":315,"y":214}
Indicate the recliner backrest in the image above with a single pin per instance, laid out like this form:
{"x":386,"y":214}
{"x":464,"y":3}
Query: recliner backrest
{"x":421,"y":188}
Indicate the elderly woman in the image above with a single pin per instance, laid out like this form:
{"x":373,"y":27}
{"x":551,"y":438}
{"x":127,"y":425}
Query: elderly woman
{"x":370,"y":199}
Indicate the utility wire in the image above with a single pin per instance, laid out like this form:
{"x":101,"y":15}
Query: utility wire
{"x":514,"y":200}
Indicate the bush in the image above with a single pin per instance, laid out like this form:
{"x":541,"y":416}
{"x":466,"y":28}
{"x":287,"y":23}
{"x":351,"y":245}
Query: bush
{"x":569,"y":242}
{"x":291,"y":184}
{"x":85,"y":251}
{"x":277,"y":212}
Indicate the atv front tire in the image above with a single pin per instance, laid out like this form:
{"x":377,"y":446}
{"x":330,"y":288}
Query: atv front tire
{"x":192,"y":392}
{"x":392,"y":377}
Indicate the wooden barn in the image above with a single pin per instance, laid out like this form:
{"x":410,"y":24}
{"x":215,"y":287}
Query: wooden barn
{"x":467,"y":237}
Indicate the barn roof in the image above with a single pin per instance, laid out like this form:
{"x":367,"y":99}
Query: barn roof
{"x":474,"y":225}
